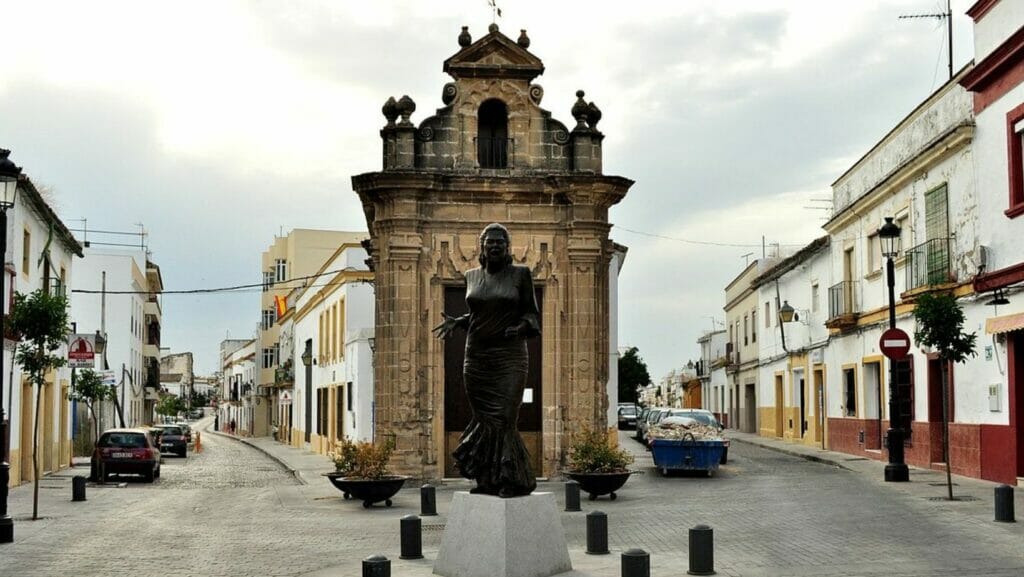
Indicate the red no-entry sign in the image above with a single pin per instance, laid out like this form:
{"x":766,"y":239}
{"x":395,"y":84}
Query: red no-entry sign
{"x":895,"y":344}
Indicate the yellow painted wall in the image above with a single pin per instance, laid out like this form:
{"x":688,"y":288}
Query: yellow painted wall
{"x":766,"y":416}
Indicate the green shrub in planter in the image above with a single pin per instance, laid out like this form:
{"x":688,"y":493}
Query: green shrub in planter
{"x":593,"y":452}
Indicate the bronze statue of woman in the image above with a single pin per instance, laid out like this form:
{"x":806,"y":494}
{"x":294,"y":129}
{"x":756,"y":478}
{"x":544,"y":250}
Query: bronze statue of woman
{"x":502,"y":315}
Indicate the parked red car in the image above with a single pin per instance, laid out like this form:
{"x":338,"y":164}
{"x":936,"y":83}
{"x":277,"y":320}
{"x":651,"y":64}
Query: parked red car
{"x":125,"y":451}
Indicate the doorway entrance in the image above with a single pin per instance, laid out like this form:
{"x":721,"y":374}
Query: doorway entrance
{"x":457,"y":411}
{"x":750,"y":399}
{"x":873,"y":405}
{"x":819,"y":405}
{"x":935,"y":405}
{"x":1015,"y":374}
{"x":800,"y":396}
{"x":780,"y":406}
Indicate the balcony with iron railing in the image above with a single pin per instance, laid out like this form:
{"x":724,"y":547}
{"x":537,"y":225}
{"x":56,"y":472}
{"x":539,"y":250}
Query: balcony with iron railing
{"x":284,"y":376}
{"x":929,"y":264}
{"x":842,"y":305}
{"x":152,"y":373}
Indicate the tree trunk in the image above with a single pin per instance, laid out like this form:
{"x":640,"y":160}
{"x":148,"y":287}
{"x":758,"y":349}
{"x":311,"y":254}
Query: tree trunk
{"x":944,"y":371}
{"x":95,"y":424}
{"x":35,"y":456}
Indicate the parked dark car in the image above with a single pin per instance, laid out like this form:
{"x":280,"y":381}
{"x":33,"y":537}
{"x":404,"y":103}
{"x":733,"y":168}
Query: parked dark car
{"x":186,"y":430}
{"x":652,"y":417}
{"x":627,"y":416}
{"x":125,"y":451}
{"x":173,"y":440}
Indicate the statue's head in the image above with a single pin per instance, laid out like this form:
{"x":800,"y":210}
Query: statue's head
{"x":494,"y":232}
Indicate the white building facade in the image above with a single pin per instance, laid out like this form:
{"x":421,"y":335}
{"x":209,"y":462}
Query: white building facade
{"x":122,"y":302}
{"x":996,"y":383}
{"x":239,"y":372}
{"x":29,"y":224}
{"x":791,"y":385}
{"x":333,"y":328}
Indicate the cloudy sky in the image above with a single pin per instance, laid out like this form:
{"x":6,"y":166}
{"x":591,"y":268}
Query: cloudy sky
{"x":218,"y":124}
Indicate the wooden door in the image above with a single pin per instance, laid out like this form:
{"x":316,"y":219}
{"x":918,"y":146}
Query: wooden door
{"x":457,"y":412}
{"x":780,"y":406}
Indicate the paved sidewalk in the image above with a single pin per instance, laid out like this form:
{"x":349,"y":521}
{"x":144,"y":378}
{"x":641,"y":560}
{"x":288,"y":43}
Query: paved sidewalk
{"x":664,"y":534}
{"x":308,"y":467}
{"x":923,"y":482}
{"x":305,"y":465}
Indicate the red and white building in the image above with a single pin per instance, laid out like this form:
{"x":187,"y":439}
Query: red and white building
{"x":997,"y":85}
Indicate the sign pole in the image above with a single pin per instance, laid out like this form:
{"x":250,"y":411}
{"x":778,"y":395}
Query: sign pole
{"x":896,"y":470}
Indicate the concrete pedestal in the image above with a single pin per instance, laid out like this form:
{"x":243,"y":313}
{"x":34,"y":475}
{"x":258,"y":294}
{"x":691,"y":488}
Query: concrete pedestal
{"x":487,"y":536}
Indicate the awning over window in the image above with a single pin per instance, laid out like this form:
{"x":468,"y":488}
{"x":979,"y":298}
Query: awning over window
{"x":1004,"y":324}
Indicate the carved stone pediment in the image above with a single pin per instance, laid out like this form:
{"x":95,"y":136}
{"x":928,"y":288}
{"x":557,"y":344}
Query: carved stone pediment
{"x":494,"y":56}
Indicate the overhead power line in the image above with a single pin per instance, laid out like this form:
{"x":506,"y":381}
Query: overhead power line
{"x":241,"y":287}
{"x":701,"y":242}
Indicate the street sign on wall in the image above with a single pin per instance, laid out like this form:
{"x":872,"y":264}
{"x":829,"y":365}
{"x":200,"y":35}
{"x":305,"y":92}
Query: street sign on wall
{"x":82,"y":351}
{"x":895,"y":344}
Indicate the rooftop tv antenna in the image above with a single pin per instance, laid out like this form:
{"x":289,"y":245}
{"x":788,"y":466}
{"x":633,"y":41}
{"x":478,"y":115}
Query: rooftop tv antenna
{"x":948,"y":17}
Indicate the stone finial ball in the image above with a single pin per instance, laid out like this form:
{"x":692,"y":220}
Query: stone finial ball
{"x":492,"y":28}
{"x":580,"y":94}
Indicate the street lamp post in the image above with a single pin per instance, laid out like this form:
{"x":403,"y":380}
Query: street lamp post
{"x":8,"y":189}
{"x":896,"y":470}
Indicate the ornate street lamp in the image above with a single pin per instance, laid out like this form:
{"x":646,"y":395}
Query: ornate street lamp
{"x":896,"y":470}
{"x":8,"y":191}
{"x":786,"y":312}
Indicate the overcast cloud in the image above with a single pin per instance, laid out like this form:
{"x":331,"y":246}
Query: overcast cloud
{"x":218,"y":124}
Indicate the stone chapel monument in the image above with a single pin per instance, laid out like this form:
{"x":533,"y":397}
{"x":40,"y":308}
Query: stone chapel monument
{"x":489,"y":154}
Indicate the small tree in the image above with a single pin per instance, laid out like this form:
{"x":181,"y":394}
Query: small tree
{"x":170,"y":405}
{"x":632,"y":374}
{"x":940,"y":323}
{"x":90,"y":389}
{"x":41,"y":319}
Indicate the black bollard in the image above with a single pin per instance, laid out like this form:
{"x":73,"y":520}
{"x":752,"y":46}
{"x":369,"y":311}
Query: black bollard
{"x":428,"y":501}
{"x":1004,"y":504}
{"x":78,"y":488}
{"x":636,"y":563}
{"x":702,"y":551}
{"x":412,"y":537}
{"x":597,"y":533}
{"x":376,"y":566}
{"x":572,"y":496}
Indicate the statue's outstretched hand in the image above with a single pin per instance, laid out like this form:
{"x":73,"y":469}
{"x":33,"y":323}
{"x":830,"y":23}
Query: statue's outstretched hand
{"x":447,"y":327}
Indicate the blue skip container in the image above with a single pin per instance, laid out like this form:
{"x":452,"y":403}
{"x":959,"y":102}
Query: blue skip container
{"x":687,"y":454}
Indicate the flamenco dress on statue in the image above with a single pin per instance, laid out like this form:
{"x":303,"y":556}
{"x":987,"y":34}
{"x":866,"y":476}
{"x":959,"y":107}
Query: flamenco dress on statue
{"x":491,"y":450}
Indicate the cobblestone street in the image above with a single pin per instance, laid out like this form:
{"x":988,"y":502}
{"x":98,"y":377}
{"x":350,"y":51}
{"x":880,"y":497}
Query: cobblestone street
{"x":233,"y":510}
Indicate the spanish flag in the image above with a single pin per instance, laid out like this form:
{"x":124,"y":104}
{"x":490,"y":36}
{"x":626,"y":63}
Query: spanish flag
{"x":282,"y":305}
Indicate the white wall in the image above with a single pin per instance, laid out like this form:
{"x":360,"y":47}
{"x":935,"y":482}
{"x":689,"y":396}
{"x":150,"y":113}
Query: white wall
{"x":23,"y":217}
{"x":996,"y":26}
{"x":124,"y":315}
{"x":613,"y":337}
{"x":1001,"y":234}
{"x":356,"y":366}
